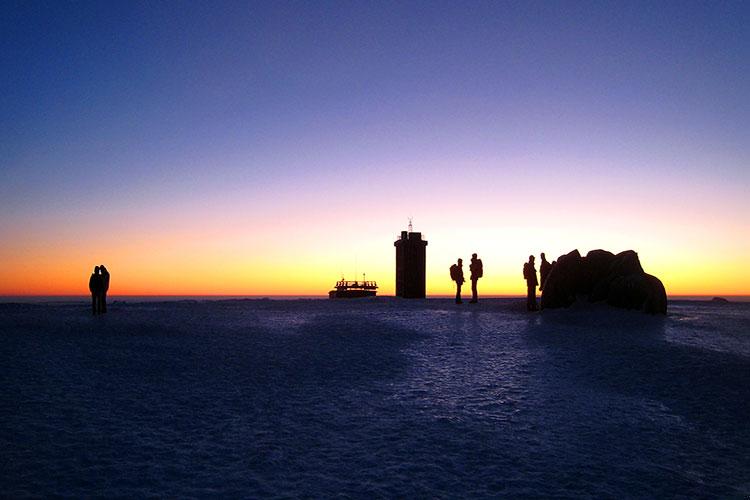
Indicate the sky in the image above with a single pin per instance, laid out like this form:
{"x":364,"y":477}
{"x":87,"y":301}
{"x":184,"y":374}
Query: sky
{"x":268,"y":148}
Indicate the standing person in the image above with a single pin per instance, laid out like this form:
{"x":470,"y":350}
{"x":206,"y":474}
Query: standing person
{"x":105,"y":287}
{"x":529,"y":274}
{"x":457,"y":275}
{"x":476,"y":272}
{"x":544,"y":269}
{"x":95,"y":287}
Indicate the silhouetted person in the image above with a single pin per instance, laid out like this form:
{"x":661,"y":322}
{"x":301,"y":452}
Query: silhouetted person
{"x":544,"y":269}
{"x":476,"y":272}
{"x":457,"y":275}
{"x":529,"y":274}
{"x":105,"y":288}
{"x":95,"y":287}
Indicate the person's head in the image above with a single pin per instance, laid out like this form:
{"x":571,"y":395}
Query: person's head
{"x":473,"y":256}
{"x":460,"y":261}
{"x":102,"y":268}
{"x":96,"y":270}
{"x":531,"y":258}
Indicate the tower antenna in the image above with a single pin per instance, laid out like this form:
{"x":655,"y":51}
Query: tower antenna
{"x":410,"y":225}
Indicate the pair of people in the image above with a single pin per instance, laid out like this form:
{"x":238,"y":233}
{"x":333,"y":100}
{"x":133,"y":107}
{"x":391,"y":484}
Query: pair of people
{"x":98,"y":286}
{"x":529,"y":274}
{"x":457,"y":275}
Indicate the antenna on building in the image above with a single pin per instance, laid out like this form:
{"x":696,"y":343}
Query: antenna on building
{"x":410,"y":226}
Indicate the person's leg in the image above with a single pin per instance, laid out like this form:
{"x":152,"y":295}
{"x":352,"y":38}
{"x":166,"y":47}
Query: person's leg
{"x":458,"y":293}
{"x":529,"y":298}
{"x":474,"y":290}
{"x":93,"y":303}
{"x":104,"y":302}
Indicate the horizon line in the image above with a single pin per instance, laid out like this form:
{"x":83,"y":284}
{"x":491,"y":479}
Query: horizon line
{"x":293,"y":295}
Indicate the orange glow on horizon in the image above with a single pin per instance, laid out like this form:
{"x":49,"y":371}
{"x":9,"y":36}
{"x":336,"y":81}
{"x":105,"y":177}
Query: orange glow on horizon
{"x":163,"y":268}
{"x":301,"y":243}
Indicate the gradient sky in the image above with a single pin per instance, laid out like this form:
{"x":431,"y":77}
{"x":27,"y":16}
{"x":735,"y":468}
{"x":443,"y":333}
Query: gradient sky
{"x":265,"y":148}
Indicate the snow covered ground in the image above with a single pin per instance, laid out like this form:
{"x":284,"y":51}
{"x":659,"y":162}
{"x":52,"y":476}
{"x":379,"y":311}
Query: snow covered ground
{"x":377,"y":397}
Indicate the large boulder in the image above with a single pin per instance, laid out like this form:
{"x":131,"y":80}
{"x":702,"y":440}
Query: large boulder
{"x":563,"y":281}
{"x":623,"y":264}
{"x":656,"y":300}
{"x":602,"y":276}
{"x":638,"y":291}
{"x":598,"y":263}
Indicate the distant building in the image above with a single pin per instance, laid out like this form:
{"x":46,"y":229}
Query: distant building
{"x":411,"y":252}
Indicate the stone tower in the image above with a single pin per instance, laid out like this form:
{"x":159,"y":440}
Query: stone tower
{"x":411,"y":268}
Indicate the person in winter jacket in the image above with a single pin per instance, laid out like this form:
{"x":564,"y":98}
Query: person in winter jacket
{"x":529,"y":274}
{"x":544,"y":269}
{"x":105,"y":288}
{"x":95,"y":287}
{"x":457,"y":275}
{"x":476,"y":272}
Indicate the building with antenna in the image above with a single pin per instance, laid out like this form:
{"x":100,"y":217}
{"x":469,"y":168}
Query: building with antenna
{"x":411,"y":265}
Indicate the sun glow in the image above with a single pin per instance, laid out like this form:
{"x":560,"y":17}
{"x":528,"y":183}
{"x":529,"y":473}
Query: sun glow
{"x":302,"y":262}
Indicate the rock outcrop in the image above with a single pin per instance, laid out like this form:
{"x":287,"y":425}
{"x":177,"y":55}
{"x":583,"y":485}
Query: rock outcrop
{"x":603,"y":276}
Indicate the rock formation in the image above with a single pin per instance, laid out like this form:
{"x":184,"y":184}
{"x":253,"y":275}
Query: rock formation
{"x":603,"y":276}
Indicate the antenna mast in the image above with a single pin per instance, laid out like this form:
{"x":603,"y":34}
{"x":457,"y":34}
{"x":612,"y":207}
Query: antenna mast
{"x":410,"y":226}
